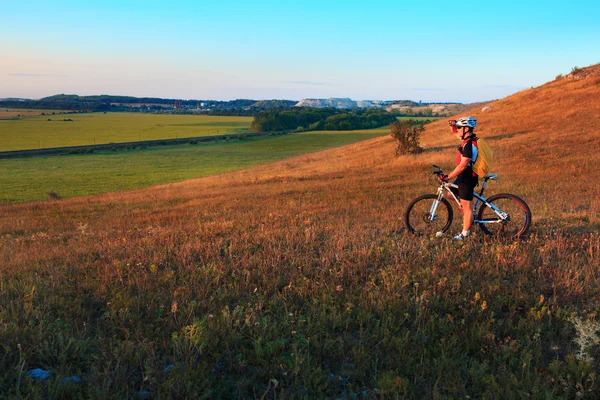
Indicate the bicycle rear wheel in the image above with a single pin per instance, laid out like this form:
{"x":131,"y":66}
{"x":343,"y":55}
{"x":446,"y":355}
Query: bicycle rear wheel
{"x":518,"y":218}
{"x":418,"y":218}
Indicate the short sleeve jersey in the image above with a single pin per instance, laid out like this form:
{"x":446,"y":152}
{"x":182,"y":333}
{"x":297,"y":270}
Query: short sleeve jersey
{"x":467,"y":150}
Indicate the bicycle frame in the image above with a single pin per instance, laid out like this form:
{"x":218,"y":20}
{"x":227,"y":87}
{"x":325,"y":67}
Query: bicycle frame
{"x":446,"y":186}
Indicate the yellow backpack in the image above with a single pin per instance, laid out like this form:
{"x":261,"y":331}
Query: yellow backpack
{"x":483,"y":162}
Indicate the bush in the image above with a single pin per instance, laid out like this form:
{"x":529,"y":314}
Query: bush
{"x":53,"y":195}
{"x":406,"y":134}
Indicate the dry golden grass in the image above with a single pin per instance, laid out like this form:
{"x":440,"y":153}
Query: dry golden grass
{"x":300,"y":271}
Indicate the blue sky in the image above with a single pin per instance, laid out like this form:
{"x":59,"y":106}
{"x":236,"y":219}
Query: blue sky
{"x":431,"y":51}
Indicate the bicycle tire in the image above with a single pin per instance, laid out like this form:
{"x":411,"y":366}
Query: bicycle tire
{"x":417,"y":213}
{"x":519,"y":213}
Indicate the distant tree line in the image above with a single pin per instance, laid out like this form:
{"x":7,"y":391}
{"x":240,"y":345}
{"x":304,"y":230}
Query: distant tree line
{"x":73,"y":102}
{"x":56,"y":105}
{"x":310,"y":119}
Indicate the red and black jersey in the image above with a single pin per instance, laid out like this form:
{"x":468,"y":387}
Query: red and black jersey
{"x":468,"y":149}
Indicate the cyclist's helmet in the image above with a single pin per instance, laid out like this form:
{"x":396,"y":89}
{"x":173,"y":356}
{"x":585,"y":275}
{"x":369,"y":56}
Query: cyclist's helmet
{"x":467,"y":122}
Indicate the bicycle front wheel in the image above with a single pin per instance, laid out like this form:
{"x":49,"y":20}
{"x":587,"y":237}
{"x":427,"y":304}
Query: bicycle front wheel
{"x":513,"y":224}
{"x":426,"y":215}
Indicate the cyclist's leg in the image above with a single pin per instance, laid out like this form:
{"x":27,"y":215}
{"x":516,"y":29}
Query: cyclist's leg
{"x":467,"y":209}
{"x":466,"y":188}
{"x":455,"y":190}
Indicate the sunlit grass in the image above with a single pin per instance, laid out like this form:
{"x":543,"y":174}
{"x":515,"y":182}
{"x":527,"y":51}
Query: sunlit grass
{"x":296,"y":279}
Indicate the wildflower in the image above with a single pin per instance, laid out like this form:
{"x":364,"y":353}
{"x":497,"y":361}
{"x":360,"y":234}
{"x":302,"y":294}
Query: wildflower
{"x":174,"y":307}
{"x":339,"y":288}
{"x":483,"y":305}
{"x":477,"y":296}
{"x":586,"y":337}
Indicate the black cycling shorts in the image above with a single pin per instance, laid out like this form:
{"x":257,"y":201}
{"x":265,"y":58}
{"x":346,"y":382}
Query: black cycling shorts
{"x":466,"y":187}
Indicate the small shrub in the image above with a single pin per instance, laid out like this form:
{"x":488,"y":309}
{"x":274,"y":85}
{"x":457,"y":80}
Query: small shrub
{"x":53,"y":195}
{"x":407,"y":136}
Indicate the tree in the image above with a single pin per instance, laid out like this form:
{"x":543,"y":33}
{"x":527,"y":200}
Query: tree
{"x":407,"y":135}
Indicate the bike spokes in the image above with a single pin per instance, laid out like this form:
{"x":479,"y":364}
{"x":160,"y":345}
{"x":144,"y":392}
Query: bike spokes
{"x":426,"y":215}
{"x":511,"y":218}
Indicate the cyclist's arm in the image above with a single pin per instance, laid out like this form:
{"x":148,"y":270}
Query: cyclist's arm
{"x":464,"y":162}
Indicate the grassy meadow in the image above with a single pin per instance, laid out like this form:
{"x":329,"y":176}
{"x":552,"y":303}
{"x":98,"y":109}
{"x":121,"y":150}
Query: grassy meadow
{"x":296,"y":279}
{"x":47,"y":131}
{"x":24,"y":112}
{"x":31,"y":179}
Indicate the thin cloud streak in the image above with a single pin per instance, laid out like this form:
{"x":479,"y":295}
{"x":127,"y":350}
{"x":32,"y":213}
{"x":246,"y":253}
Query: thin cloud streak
{"x":428,"y":89}
{"x":309,"y":83}
{"x":26,"y":74}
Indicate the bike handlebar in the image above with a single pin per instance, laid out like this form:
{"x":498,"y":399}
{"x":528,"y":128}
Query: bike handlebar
{"x":439,"y":173}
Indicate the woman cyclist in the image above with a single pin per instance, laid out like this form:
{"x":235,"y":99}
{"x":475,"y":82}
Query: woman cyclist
{"x":466,"y":179}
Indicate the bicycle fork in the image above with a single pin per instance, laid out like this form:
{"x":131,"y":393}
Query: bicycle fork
{"x":434,"y":205}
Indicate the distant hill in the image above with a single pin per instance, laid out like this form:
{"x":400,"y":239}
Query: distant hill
{"x":403,"y":107}
{"x":105,"y":102}
{"x":342,"y":103}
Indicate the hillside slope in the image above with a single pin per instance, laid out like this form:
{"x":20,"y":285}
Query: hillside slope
{"x":297,"y":279}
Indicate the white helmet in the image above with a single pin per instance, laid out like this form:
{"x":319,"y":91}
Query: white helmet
{"x":469,"y":122}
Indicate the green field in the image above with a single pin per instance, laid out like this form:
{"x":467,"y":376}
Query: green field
{"x":47,"y":131}
{"x":11,"y":113}
{"x":30,"y":179}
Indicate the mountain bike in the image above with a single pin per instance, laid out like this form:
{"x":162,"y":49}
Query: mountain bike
{"x":504,"y":214}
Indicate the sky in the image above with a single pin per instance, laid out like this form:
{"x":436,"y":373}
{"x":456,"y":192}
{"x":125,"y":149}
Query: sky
{"x":433,"y":51}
